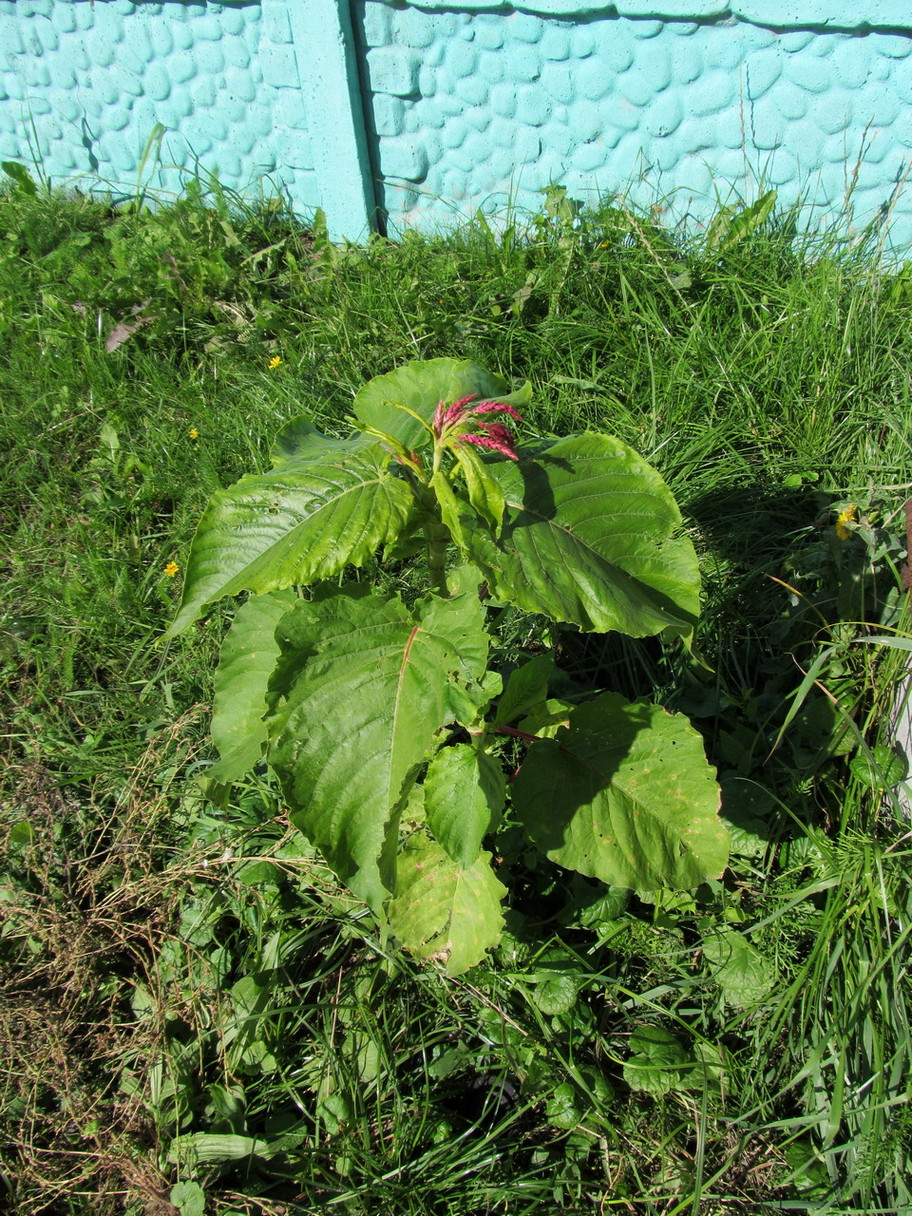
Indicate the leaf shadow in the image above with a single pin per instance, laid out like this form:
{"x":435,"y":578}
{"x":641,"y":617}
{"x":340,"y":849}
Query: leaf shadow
{"x":538,"y":496}
{"x":775,"y":582}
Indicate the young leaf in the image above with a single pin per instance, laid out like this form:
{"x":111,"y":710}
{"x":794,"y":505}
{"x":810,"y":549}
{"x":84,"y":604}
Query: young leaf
{"x":452,"y":509}
{"x":591,"y":538}
{"x":420,"y":385}
{"x":658,"y":1062}
{"x":739,"y":969}
{"x":526,"y":690}
{"x":464,"y":794}
{"x":443,"y":911}
{"x":303,"y":521}
{"x":564,"y":1107}
{"x":557,"y":993}
{"x":360,"y":690}
{"x":247,"y":660}
{"x":882,"y":770}
{"x":485,"y":494}
{"x":625,"y":795}
{"x":189,"y":1198}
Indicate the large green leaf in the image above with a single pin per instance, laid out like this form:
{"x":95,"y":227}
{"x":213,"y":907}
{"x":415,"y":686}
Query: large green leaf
{"x":247,"y":660}
{"x":590,"y":538}
{"x":464,"y":794}
{"x":299,"y":439}
{"x":625,"y":795}
{"x":361,"y":690}
{"x":443,"y":911}
{"x":304,"y":520}
{"x":419,"y":386}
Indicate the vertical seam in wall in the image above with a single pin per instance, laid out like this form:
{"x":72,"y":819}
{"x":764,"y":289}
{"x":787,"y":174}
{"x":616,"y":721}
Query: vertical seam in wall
{"x":372,"y":139}
{"x":330,"y":83}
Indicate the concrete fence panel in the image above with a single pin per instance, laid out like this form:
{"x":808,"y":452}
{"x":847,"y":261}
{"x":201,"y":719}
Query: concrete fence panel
{"x":388,"y":111}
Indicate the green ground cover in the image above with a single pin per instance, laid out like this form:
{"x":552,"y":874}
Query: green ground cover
{"x":194,"y":1015}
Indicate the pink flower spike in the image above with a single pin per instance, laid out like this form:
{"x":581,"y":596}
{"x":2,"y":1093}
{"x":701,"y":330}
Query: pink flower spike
{"x":456,"y":410}
{"x":438,"y":417}
{"x":498,"y":431}
{"x":496,"y":407}
{"x":488,"y":441}
{"x":463,"y":401}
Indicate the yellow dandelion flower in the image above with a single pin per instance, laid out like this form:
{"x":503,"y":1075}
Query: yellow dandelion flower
{"x":194,"y":433}
{"x":846,"y":515}
{"x":171,"y":569}
{"x":274,"y":362}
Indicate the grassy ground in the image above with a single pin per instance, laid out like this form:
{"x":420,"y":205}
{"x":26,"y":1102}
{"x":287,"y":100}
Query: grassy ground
{"x":192,"y":1013}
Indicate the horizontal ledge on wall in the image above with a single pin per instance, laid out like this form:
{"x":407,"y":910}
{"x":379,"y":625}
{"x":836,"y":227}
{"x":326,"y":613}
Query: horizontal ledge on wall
{"x":882,"y":14}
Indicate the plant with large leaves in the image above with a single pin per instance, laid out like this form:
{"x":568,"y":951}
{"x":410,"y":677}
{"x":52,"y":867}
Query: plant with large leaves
{"x":384,"y":721}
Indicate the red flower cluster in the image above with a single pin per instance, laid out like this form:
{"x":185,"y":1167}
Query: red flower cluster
{"x":490,"y":434}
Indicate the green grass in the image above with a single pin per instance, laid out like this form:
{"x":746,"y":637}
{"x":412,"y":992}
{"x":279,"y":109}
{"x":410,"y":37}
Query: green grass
{"x":186,"y":996}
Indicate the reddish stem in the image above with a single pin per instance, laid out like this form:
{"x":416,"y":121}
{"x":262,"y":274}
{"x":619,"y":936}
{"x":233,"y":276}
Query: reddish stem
{"x":517,"y":734}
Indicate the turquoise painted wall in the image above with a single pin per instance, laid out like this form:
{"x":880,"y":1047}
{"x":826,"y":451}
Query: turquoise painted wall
{"x":429,"y":110}
{"x":82,"y":85}
{"x":473,"y":106}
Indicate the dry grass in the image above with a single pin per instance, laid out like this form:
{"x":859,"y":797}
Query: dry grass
{"x":79,"y":934}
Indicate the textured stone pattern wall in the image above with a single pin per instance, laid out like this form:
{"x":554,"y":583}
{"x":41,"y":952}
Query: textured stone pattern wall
{"x":82,"y":86}
{"x":470,"y":107}
{"x":468,"y":102}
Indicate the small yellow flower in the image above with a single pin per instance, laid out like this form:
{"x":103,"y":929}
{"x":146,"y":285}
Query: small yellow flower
{"x":194,"y":433}
{"x":171,"y":569}
{"x":845,"y":516}
{"x":274,"y":362}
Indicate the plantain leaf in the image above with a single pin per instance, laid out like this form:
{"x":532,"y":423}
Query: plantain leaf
{"x":464,"y":794}
{"x":730,"y":226}
{"x":443,"y":911}
{"x":420,"y":385}
{"x":625,"y":795}
{"x":25,"y":183}
{"x":590,"y":538}
{"x":204,"y":1148}
{"x":247,"y":660}
{"x":302,"y":521}
{"x":360,"y":691}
